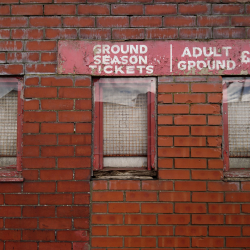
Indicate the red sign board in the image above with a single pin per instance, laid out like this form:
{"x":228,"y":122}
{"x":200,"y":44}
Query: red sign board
{"x":217,"y":57}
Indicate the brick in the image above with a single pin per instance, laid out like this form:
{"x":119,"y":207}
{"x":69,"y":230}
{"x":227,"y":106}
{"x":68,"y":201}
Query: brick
{"x":107,"y":196}
{"x":11,"y":45}
{"x":73,"y":186}
{"x":38,"y":235}
{"x":206,"y":130}
{"x":224,"y":208}
{"x":83,"y":81}
{"x":191,"y":230}
{"x":98,"y":230}
{"x":57,"y":105}
{"x":89,"y":9}
{"x":165,"y":98}
{"x":206,"y":152}
{"x":224,"y":231}
{"x":179,"y":21}
{"x":174,"y":196}
{"x":99,"y":185}
{"x":175,"y":174}
{"x":22,"y":57}
{"x":156,"y":230}
{"x":124,"y":207}
{"x":30,"y":175}
{"x":43,"y":187}
{"x":112,"y":21}
{"x":214,"y":98}
{"x":10,"y":235}
{"x":173,"y":109}
{"x":54,"y":246}
{"x":190,"y":141}
{"x":173,"y":219}
{"x":126,"y":34}
{"x":190,"y":120}
{"x":206,"y":87}
{"x":45,"y":22}
{"x":35,"y":1}
{"x":11,"y":69}
{"x":56,"y":81}
{"x":82,"y":199}
{"x":207,"y":219}
{"x":56,"y":199}
{"x":223,"y":186}
{"x":74,"y":93}
{"x":215,"y":164}
{"x":237,"y":197}
{"x":165,"y":141}
{"x":95,"y":34}
{"x":141,"y":196}
{"x":124,"y":185}
{"x":124,"y":230}
{"x":140,"y":219}
{"x":75,"y":162}
{"x":237,"y":242}
{"x":38,"y":211}
{"x":40,"y":68}
{"x":32,"y":81}
{"x":127,"y":9}
{"x":4,"y":10}
{"x":73,"y":211}
{"x":39,"y":139}
{"x":207,"y":197}
{"x":83,"y":104}
{"x":163,"y":120}
{"x":173,"y":87}
{"x":230,"y":9}
{"x":195,"y":33}
{"x":157,"y":185}
{"x":173,"y":242}
{"x":31,"y":151}
{"x":83,"y":151}
{"x":82,"y":174}
{"x":214,"y":141}
{"x":157,"y":208}
{"x":190,"y":79}
{"x":27,"y":33}
{"x":75,"y":116}
{"x":48,"y":57}
{"x":35,"y":92}
{"x":107,"y":219}
{"x":140,"y":242}
{"x":80,"y":235}
{"x":237,"y":219}
{"x":190,"y":163}
{"x":190,"y":186}
{"x":54,"y":223}
{"x":78,"y":22}
{"x":21,"y":199}
{"x":74,"y":139}
{"x":5,"y":34}
{"x":25,"y":10}
{"x":145,"y":21}
{"x":10,"y":211}
{"x":240,"y":20}
{"x":210,"y":242}
{"x":38,"y":163}
{"x":20,"y":245}
{"x":21,"y":223}
{"x":173,"y":152}
{"x":245,"y":231}
{"x":160,"y":9}
{"x":57,"y":151}
{"x":229,"y":33}
{"x":194,"y":9}
{"x":173,"y":130}
{"x":102,"y":207}
{"x":245,"y":186}
{"x":206,"y":174}
{"x":61,"y":33}
{"x":190,"y":208}
{"x":13,"y":22}
{"x":107,"y":242}
{"x":59,"y":9}
{"x":163,"y":33}
{"x":213,"y":21}
{"x":31,"y":105}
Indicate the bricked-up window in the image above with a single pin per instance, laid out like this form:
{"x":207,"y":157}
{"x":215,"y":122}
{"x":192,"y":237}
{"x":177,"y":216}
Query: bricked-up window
{"x":236,"y":120}
{"x":10,"y":129}
{"x":124,"y":124}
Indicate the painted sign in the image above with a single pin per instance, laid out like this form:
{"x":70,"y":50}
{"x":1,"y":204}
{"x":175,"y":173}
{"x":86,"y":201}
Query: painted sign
{"x":217,"y":57}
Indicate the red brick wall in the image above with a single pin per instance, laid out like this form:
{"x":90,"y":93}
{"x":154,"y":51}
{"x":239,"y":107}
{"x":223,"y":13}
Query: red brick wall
{"x":190,"y":205}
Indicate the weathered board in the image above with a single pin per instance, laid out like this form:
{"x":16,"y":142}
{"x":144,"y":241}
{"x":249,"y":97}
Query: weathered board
{"x":149,"y":58}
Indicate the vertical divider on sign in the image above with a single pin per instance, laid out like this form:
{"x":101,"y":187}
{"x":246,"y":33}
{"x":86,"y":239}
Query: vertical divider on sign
{"x":101,"y":127}
{"x":20,"y":105}
{"x":152,"y":128}
{"x":149,"y":130}
{"x":96,"y":125}
{"x":225,"y":126}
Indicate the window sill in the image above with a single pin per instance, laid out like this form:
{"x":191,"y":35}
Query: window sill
{"x":124,"y":174}
{"x":237,"y":175}
{"x":10,"y":174}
